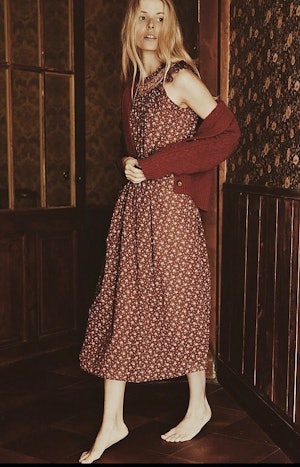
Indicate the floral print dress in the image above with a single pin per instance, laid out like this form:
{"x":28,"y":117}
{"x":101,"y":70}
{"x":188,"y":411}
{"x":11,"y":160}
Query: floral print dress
{"x":150,"y":317}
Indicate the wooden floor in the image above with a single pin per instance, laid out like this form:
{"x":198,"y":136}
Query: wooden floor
{"x":50,"y":414}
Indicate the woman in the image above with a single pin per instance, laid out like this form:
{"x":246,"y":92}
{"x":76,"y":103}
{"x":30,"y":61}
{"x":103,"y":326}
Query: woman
{"x":150,"y":318}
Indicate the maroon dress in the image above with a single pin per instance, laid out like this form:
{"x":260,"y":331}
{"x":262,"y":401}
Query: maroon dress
{"x":150,"y":318}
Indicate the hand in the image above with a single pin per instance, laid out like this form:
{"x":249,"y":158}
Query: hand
{"x":132,"y":171}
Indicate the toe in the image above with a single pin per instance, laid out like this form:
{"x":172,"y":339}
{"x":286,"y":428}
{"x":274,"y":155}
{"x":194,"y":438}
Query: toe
{"x":83,"y":456}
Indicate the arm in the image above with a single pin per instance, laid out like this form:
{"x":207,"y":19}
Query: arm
{"x":216,"y":138}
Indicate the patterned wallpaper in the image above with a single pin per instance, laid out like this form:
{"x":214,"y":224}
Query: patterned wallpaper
{"x":264,"y":92}
{"x":103,"y":20}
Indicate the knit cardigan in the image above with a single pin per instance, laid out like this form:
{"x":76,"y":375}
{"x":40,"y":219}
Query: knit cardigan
{"x":192,"y":161}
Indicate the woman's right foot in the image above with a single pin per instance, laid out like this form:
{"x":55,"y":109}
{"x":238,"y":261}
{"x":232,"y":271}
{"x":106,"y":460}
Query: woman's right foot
{"x":105,"y":438}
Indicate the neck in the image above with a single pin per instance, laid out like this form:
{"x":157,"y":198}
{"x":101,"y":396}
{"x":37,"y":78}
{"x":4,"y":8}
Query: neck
{"x":151,"y":63}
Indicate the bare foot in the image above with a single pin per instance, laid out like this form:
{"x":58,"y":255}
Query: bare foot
{"x":189,"y":427}
{"x":105,"y":438}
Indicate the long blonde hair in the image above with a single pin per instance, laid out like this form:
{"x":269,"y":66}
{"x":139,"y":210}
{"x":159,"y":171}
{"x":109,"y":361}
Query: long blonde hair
{"x":170,"y":47}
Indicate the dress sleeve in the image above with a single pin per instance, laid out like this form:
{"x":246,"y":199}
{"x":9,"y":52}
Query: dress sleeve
{"x":176,"y":67}
{"x":215,"y":140}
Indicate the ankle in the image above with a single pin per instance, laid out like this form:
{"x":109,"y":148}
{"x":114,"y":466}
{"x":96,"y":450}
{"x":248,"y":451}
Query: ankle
{"x":198,"y":407}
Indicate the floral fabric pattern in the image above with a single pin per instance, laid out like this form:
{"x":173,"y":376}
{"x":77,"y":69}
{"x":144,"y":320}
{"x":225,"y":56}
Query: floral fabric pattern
{"x":151,"y":314}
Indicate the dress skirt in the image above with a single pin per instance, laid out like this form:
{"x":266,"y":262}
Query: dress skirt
{"x":151,"y":314}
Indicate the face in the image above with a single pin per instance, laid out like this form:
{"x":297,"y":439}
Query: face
{"x":150,"y":16}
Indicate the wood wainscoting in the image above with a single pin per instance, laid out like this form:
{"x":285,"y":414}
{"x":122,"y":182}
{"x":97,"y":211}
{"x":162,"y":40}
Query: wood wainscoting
{"x":40,"y":282}
{"x":258,"y":322}
{"x":50,"y":264}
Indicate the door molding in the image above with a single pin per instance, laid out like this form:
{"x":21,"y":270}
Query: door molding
{"x":209,"y":66}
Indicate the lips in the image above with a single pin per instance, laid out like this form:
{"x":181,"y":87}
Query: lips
{"x":150,"y":36}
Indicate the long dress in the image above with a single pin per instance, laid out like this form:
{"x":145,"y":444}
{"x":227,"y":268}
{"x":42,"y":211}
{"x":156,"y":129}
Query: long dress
{"x":150,"y":317}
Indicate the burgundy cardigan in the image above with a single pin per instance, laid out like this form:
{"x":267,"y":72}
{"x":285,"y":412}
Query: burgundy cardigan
{"x":191,"y":161}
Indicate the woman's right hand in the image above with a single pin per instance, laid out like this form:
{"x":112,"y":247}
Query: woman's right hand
{"x":132,"y":171}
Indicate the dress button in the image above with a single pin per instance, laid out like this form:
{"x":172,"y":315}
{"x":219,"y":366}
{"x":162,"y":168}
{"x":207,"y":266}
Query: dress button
{"x":179,"y":183}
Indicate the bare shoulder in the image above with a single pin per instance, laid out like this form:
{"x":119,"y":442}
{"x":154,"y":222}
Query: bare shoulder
{"x":188,"y":89}
{"x":185,"y":78}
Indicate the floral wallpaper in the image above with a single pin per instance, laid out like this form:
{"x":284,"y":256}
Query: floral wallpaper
{"x":103,"y":20}
{"x":264,"y":92}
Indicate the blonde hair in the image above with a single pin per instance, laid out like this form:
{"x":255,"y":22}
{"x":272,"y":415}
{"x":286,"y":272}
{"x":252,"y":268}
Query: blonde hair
{"x":170,"y":47}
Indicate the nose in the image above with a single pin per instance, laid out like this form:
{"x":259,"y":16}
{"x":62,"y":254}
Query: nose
{"x":150,"y":25}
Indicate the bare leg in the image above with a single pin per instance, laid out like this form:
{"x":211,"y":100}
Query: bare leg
{"x":113,"y":428}
{"x":198,"y":412}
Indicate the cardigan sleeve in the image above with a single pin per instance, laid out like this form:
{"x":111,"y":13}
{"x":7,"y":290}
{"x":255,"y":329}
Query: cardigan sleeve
{"x":215,"y":140}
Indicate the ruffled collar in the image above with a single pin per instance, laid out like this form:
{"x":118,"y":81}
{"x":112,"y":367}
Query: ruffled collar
{"x":151,"y":81}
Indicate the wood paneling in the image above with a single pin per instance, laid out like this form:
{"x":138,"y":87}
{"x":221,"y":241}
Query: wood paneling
{"x":265,"y":309}
{"x":57,"y":273}
{"x":41,"y":285}
{"x":259,"y":312}
{"x":12,"y":287}
{"x":251,"y":284}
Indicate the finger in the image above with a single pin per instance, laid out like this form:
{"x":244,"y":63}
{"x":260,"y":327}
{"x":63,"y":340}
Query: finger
{"x":136,"y":179}
{"x":134,"y":174}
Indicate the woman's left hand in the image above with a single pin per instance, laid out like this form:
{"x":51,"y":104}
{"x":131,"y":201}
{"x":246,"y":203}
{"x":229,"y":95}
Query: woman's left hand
{"x":132,"y":170}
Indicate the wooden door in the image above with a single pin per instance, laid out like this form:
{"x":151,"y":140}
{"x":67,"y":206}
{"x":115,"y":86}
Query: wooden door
{"x":209,"y":65}
{"x":41,"y":175}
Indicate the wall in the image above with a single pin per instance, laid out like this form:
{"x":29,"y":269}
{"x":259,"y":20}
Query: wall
{"x":264,"y":92}
{"x":103,"y":93}
{"x":259,"y":313}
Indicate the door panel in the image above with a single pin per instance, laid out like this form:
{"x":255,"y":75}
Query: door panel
{"x":41,"y":175}
{"x":208,"y":16}
{"x":2,"y":35}
{"x":3,"y":142}
{"x":23,"y":24}
{"x":57,"y":29}
{"x":26,"y":138}
{"x":13,"y":303}
{"x":58,"y":140}
{"x":57,"y":271}
{"x":39,"y":281}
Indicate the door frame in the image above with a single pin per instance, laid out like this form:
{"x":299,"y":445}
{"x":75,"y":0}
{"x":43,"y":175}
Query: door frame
{"x":209,"y":24}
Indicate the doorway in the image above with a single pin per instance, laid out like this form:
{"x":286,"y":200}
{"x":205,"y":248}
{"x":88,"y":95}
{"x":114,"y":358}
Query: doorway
{"x":41,"y":174}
